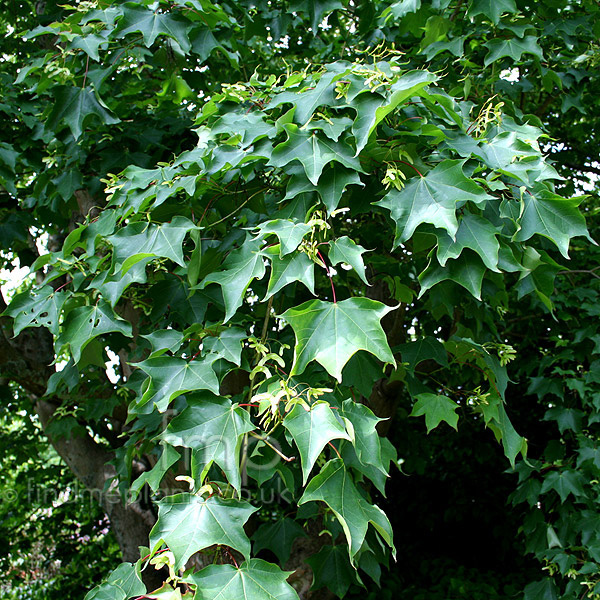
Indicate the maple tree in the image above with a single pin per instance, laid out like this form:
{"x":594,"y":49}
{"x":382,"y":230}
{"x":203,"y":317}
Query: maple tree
{"x":173,"y":170}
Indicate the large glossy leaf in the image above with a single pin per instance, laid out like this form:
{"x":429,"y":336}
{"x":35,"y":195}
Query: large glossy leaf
{"x":331,"y":332}
{"x":214,"y":429}
{"x":372,"y":112}
{"x":171,"y":376}
{"x":254,"y":580}
{"x":432,"y":199}
{"x":312,"y":430}
{"x":188,"y":523}
{"x":334,"y":486}
{"x":309,"y":99}
{"x":227,"y":345}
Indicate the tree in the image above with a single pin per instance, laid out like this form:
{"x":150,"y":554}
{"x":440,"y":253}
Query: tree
{"x":295,"y":225}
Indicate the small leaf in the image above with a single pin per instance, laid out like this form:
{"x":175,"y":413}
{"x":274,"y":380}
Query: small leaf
{"x":141,"y":240}
{"x":552,"y":216}
{"x":277,"y":537}
{"x":436,"y":409}
{"x":290,"y":233}
{"x":227,"y":345}
{"x":289,"y":269}
{"x":332,"y":569}
{"x":345,"y":250}
{"x":467,"y":270}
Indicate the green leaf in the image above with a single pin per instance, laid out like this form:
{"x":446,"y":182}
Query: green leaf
{"x":154,"y":476}
{"x":290,"y":233}
{"x":89,"y":44}
{"x":432,"y":199}
{"x":214,"y":428}
{"x":151,"y":25}
{"x":334,"y":486}
{"x":241,"y":267}
{"x":365,"y":438}
{"x":345,"y":250}
{"x":123,"y":583}
{"x":313,"y":152}
{"x":278,"y":537}
{"x":164,"y":340}
{"x":171,"y":376}
{"x":83,"y":324}
{"x":436,"y":409}
{"x":467,"y":270}
{"x":370,"y":111}
{"x":74,"y":106}
{"x":541,"y":590}
{"x":37,"y":308}
{"x":425,"y":348}
{"x":289,"y":270}
{"x":227,"y":345}
{"x":312,"y":430}
{"x":188,"y":523}
{"x":473,"y":232}
{"x":564,"y":482}
{"x":254,"y":580}
{"x":142,"y":240}
{"x":552,"y":216}
{"x":505,"y":152}
{"x":492,"y":9}
{"x":332,"y":569}
{"x":307,"y":101}
{"x":331,"y":333}
{"x":514,"y":48}
{"x":332,"y":184}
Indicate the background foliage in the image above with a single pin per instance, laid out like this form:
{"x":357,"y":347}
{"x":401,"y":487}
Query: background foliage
{"x":259,"y":208}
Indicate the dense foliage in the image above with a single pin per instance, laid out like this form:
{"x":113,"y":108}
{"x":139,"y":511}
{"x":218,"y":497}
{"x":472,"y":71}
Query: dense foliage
{"x":306,"y":234}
